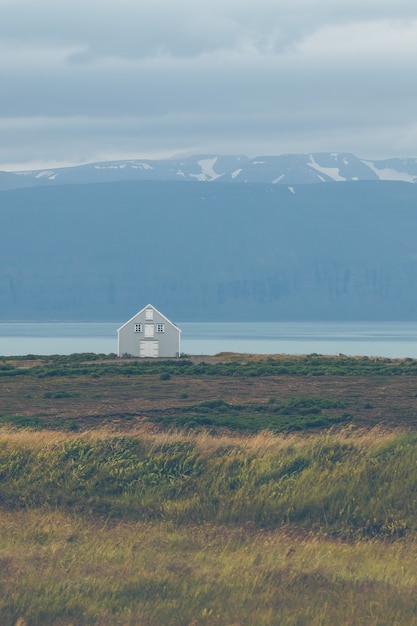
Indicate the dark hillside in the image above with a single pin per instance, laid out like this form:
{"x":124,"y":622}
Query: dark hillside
{"x":204,"y":252}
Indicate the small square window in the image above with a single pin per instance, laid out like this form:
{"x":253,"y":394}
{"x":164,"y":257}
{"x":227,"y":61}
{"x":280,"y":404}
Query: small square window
{"x":160,"y":328}
{"x":138,"y":328}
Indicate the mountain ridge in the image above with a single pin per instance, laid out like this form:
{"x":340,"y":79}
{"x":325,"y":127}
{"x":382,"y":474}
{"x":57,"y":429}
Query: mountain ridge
{"x":286,"y":169}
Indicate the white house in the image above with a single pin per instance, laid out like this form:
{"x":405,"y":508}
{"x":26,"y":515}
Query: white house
{"x":149,"y":334}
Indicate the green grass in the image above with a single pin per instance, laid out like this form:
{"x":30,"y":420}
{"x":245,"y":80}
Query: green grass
{"x":290,"y":415}
{"x":23,"y":421}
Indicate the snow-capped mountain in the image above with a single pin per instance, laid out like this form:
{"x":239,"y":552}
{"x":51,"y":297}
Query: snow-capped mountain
{"x":286,"y":169}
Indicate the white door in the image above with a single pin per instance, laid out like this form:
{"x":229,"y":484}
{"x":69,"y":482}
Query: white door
{"x":149,"y":348}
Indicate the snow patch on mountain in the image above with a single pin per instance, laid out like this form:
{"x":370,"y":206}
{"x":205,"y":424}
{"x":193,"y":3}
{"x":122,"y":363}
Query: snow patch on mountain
{"x":331,"y":172}
{"x":388,"y":173}
{"x":49,"y":174}
{"x":141,"y":166}
{"x":121,"y":165}
{"x":207,"y":170}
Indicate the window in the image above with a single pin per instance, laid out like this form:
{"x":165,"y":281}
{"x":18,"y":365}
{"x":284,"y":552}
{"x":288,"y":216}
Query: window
{"x":160,"y":328}
{"x":149,"y":315}
{"x":138,"y":328}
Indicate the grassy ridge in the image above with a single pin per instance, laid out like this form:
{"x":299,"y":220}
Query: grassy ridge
{"x":229,"y":365}
{"x":332,"y":484}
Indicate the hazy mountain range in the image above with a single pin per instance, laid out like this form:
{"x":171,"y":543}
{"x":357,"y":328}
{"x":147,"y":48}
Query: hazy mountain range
{"x":201,"y":251}
{"x":287,"y":169}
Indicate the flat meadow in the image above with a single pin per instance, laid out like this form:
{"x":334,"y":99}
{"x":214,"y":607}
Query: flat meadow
{"x":232,"y":490}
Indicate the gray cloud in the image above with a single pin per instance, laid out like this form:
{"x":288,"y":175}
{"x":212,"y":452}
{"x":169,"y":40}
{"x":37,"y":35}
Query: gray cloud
{"x":135,"y":29}
{"x":88,"y":80}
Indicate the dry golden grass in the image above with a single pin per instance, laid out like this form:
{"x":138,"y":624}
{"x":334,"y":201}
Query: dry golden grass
{"x":57,"y":569}
{"x":259,"y":444}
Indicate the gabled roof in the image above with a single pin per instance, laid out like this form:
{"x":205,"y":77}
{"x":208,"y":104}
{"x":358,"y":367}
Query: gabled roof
{"x":149,"y":306}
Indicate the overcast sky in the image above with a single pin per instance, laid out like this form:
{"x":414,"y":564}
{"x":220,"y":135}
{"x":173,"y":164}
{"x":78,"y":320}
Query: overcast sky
{"x":90,"y":80}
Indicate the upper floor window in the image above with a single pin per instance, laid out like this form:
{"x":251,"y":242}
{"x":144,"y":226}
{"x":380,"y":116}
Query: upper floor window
{"x":160,"y":328}
{"x":138,"y":328}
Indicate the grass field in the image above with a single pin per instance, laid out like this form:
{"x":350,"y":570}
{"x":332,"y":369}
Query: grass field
{"x":242,"y":392}
{"x":238,"y":491}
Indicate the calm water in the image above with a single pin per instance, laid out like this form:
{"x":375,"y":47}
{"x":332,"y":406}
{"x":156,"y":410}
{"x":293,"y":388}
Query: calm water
{"x":388,"y":339}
